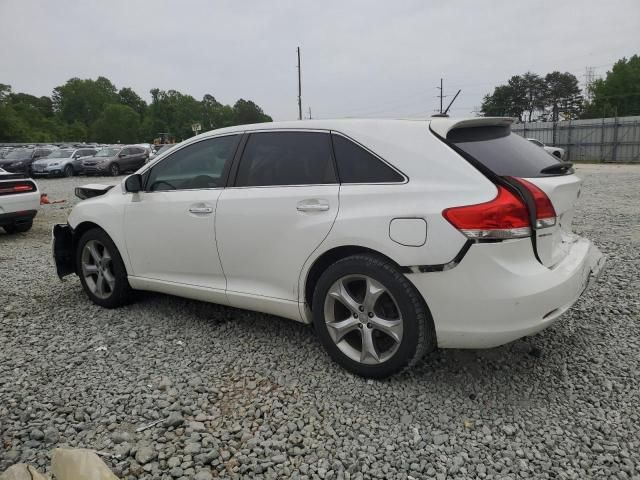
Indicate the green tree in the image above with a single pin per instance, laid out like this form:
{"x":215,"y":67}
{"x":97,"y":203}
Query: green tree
{"x":505,"y":101}
{"x":83,"y":100}
{"x":131,"y":99}
{"x":535,"y":91}
{"x":617,"y":94}
{"x":116,"y":124}
{"x":562,"y":95}
{"x":5,"y":91}
{"x":245,"y":111}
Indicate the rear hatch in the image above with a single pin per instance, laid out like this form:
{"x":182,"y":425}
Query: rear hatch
{"x":490,"y":142}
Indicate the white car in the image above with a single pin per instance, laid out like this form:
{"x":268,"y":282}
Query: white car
{"x":392,"y":237}
{"x":557,"y":151}
{"x":19,"y":202}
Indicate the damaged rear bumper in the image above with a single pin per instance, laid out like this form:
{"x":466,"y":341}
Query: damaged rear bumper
{"x":62,"y":249}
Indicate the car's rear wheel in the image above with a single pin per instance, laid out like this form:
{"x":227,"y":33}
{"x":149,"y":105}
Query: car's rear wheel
{"x":114,"y":169}
{"x":18,"y":227}
{"x":370,"y":318}
{"x":68,"y":171}
{"x":101,"y":270}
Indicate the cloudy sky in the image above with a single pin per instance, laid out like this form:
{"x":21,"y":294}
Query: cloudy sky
{"x":359,"y":58}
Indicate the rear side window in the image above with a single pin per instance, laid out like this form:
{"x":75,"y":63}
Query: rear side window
{"x":503,"y":152}
{"x":286,"y":158}
{"x":356,"y":165}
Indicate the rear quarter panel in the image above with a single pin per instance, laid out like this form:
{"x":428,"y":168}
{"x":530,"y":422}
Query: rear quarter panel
{"x":438,"y":178}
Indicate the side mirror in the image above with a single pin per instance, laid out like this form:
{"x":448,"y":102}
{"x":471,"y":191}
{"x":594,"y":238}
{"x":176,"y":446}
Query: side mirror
{"x":133,"y":183}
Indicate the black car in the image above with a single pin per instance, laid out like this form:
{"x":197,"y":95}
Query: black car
{"x":115,"y":160}
{"x":20,"y":159}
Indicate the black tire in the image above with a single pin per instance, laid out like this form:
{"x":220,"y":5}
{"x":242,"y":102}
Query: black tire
{"x":418,"y":336}
{"x":114,"y":169}
{"x":68,"y":171}
{"x":18,"y":228}
{"x":121,"y":293}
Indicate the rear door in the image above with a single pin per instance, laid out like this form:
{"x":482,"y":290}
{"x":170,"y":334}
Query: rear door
{"x":279,"y":208}
{"x":509,"y":155}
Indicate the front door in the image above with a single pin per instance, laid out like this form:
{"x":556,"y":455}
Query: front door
{"x":170,"y":225}
{"x":277,"y":212}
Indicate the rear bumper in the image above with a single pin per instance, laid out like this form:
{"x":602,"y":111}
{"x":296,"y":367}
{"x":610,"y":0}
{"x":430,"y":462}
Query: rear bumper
{"x":17,"y":218}
{"x":500,"y":293}
{"x":62,"y":249}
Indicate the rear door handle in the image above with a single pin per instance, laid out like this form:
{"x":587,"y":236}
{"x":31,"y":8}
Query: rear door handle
{"x":313,"y":205}
{"x":201,"y":210}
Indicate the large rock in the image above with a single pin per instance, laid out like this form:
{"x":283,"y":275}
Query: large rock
{"x":79,"y":464}
{"x":22,"y":471}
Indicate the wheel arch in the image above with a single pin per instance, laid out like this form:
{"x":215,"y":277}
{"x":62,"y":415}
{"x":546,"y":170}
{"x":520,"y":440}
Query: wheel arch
{"x":84,"y":227}
{"x":329,"y":257}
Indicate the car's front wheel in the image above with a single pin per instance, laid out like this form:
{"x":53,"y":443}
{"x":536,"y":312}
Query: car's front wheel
{"x":370,"y":318}
{"x":68,"y":171}
{"x":101,"y":270}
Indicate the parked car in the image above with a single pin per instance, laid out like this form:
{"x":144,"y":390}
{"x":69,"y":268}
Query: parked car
{"x":392,"y":237}
{"x":115,"y":160}
{"x":19,"y":160}
{"x":19,"y":202}
{"x":557,"y":151}
{"x":61,"y":162}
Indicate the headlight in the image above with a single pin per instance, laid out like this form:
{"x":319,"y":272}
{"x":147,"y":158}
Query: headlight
{"x":17,"y":164}
{"x":54,"y":164}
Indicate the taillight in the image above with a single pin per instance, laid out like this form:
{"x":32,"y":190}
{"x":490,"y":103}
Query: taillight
{"x":545,"y":213}
{"x":504,"y":217}
{"x":16,"y":188}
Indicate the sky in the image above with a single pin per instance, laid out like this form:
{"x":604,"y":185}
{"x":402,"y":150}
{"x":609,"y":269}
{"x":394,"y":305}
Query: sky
{"x":359,"y":58}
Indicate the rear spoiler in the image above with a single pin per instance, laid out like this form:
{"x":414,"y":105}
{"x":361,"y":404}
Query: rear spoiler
{"x":13,"y":176}
{"x":92,"y":190}
{"x":442,"y":126}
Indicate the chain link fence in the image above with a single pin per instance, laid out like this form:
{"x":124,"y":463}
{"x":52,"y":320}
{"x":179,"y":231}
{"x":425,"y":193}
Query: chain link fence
{"x":593,"y":140}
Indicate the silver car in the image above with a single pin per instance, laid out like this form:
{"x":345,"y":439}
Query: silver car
{"x":61,"y":162}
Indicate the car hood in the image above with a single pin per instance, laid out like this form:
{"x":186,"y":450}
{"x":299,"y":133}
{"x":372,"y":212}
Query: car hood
{"x":99,"y":159}
{"x":5,"y":161}
{"x":50,"y":161}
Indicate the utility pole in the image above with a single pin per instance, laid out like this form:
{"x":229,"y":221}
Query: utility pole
{"x":299,"y":88}
{"x":441,"y":92}
{"x":309,"y":113}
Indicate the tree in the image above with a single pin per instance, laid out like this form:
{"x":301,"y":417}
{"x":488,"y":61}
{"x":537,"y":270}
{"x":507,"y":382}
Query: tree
{"x":5,"y":91}
{"x":535,"y":91}
{"x":117,"y":124}
{"x":131,"y":99}
{"x":245,"y":111}
{"x":84,"y":100}
{"x":562,"y":95}
{"x":506,"y":101}
{"x":617,"y":94}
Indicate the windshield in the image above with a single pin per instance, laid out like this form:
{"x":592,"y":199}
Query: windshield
{"x":503,"y":152}
{"x":108,"y":152}
{"x":60,"y":154}
{"x":20,"y":153}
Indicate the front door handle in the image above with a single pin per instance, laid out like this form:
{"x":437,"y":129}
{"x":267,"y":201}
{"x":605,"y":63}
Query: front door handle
{"x":313,"y":205}
{"x":201,"y":210}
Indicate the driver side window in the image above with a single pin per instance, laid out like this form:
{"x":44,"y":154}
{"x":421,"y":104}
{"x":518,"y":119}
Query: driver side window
{"x":196,"y":166}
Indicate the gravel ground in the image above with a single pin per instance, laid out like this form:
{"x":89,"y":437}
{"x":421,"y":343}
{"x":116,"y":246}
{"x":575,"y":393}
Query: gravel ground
{"x":241,"y":394}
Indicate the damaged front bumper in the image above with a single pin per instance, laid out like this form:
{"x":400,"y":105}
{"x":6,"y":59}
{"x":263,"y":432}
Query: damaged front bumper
{"x":62,"y":249}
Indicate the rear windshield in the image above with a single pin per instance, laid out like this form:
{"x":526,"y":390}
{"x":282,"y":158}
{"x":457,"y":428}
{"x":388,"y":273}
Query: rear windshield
{"x":503,"y":152}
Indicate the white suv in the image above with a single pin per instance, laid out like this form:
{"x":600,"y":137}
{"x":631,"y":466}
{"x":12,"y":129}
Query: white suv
{"x":392,"y":237}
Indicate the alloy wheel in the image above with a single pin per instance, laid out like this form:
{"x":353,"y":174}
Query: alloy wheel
{"x":363,"y":319}
{"x":97,"y":269}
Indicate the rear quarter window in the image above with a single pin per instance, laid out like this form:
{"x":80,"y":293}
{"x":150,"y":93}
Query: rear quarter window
{"x":357,"y":165}
{"x":503,"y":152}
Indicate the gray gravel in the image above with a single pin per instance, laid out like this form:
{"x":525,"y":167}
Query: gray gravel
{"x":230,"y":393}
